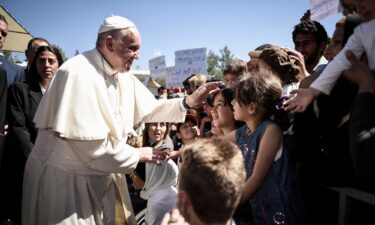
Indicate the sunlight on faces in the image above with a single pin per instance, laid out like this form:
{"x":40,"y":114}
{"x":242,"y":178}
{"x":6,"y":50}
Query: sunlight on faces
{"x":240,"y":112}
{"x":156,"y":131}
{"x":222,"y":114}
{"x":125,"y":49}
{"x":187,"y":131}
{"x":47,"y":65}
{"x":230,"y":80}
{"x":307,"y":46}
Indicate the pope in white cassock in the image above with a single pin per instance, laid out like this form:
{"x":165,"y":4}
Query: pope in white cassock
{"x":75,"y":172}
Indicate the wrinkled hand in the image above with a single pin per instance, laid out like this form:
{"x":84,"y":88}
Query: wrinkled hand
{"x":154,"y":155}
{"x":360,"y":74}
{"x":174,"y":218}
{"x":301,"y":101}
{"x":197,"y":98}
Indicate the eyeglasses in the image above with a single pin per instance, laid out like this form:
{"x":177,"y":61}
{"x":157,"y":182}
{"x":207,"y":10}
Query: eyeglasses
{"x":3,"y":33}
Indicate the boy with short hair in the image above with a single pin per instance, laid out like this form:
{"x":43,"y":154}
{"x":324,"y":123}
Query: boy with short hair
{"x":212,"y":177}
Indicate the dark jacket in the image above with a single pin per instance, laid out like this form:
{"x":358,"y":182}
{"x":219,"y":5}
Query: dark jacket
{"x":24,"y":98}
{"x":14,"y":72}
{"x":3,"y":102}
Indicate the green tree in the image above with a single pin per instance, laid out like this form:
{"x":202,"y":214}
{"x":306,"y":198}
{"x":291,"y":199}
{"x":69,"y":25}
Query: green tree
{"x":213,"y":64}
{"x":226,"y":58}
{"x":61,"y":52}
{"x":217,"y":63}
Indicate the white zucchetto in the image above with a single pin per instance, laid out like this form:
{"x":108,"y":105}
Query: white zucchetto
{"x":114,"y":23}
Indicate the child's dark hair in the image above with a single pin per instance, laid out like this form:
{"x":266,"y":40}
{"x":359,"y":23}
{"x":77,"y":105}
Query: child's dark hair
{"x":264,"y":89}
{"x":228,"y":94}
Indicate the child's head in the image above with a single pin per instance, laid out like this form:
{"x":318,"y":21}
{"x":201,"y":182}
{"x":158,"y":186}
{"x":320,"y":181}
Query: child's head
{"x":212,"y":177}
{"x":222,"y":110}
{"x":188,"y":130}
{"x":280,"y":63}
{"x":232,"y":71}
{"x":256,"y":93}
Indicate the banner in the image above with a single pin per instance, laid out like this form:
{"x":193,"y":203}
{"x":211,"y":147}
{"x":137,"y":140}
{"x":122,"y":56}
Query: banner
{"x":188,"y":62}
{"x":323,"y":8}
{"x":157,"y":67}
{"x":171,"y":79}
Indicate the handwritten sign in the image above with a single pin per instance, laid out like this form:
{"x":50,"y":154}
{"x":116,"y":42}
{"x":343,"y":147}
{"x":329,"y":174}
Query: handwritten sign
{"x":323,"y":8}
{"x":172,"y":80}
{"x":157,"y":67}
{"x":188,"y":62}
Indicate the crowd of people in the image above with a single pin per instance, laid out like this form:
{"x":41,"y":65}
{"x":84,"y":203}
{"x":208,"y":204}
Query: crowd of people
{"x":259,"y":147}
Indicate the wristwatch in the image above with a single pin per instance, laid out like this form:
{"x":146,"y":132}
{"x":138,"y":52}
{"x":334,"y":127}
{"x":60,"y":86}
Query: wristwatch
{"x":185,"y":104}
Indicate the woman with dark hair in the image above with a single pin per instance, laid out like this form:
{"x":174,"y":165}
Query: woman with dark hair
{"x":157,"y":181}
{"x":23,"y":100}
{"x":24,"y":97}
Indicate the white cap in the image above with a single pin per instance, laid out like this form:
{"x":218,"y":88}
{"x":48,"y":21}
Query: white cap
{"x":114,"y":23}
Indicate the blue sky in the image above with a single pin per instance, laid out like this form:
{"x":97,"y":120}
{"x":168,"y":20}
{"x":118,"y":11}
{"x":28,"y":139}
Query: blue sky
{"x":166,"y":25}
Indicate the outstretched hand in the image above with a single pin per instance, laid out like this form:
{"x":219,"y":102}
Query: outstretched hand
{"x":153,"y":155}
{"x":197,"y":98}
{"x":301,"y":101}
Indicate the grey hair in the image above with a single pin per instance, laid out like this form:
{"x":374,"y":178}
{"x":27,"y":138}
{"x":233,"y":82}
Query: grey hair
{"x":116,"y":34}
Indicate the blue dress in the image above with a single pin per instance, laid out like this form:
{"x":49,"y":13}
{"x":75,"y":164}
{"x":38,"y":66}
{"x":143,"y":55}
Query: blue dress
{"x":277,"y":201}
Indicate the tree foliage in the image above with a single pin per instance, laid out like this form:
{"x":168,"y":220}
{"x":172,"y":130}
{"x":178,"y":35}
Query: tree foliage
{"x":218,"y":62}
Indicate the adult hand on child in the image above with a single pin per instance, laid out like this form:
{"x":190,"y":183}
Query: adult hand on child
{"x":197,"y":98}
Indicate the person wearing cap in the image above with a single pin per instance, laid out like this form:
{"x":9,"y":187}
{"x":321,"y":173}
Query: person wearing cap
{"x":75,"y":172}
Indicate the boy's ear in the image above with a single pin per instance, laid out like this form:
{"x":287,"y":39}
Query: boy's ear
{"x":178,"y":135}
{"x":184,"y":204}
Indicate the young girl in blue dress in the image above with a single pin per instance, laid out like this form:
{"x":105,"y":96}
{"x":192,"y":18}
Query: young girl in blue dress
{"x":269,"y":188}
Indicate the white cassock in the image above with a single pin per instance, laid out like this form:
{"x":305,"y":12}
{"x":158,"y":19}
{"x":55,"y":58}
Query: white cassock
{"x":160,"y":190}
{"x":75,"y":172}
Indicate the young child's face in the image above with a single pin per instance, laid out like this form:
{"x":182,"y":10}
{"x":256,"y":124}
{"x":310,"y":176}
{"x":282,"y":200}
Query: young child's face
{"x":222,"y":114}
{"x":230,"y":80}
{"x":240,"y":112}
{"x":365,"y":9}
{"x":187,"y":131}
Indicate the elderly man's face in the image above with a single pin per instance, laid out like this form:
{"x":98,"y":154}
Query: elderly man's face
{"x":3,"y":32}
{"x":126,"y":49}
